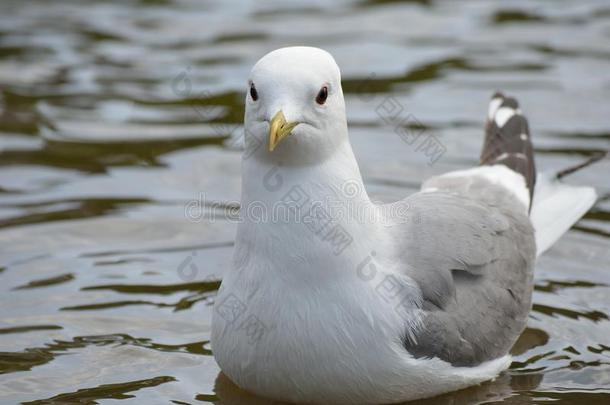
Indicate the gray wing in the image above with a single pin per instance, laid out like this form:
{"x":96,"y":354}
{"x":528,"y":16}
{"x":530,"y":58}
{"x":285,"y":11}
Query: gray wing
{"x":471,"y":250}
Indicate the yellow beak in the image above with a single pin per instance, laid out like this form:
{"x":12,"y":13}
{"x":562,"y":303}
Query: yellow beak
{"x":279,"y":129}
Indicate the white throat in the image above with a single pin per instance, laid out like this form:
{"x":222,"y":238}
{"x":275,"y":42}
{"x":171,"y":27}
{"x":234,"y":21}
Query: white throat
{"x":315,"y":209}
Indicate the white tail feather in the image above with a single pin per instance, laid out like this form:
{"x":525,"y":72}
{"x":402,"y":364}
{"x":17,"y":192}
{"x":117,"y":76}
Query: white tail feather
{"x":557,"y":206}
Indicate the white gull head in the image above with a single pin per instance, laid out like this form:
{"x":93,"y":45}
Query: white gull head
{"x":295,"y":112}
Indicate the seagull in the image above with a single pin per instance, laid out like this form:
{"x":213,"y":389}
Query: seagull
{"x":332,"y":298}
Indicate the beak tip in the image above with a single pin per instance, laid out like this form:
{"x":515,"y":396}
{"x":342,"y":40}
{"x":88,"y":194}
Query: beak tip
{"x":279,"y":129}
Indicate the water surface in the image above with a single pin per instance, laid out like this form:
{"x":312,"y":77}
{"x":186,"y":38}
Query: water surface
{"x":114,"y":115}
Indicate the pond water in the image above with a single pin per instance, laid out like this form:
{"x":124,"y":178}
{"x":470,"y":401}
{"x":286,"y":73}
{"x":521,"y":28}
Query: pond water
{"x":116,"y":115}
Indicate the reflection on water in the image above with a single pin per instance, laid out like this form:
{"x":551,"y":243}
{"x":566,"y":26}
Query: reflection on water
{"x":115,"y":115}
{"x":502,"y":388}
{"x":106,"y":391}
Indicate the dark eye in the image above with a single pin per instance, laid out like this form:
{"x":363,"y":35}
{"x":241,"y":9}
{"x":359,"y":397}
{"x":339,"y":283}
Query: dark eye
{"x":322,"y":95}
{"x":253,"y":92}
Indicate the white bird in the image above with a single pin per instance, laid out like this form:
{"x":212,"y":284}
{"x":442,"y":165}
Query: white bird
{"x":367,"y":303}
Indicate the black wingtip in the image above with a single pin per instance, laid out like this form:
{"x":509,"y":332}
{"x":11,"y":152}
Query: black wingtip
{"x":507,"y":139}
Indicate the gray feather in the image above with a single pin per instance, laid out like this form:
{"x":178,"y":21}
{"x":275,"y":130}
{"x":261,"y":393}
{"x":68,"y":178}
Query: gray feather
{"x":472,"y":254}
